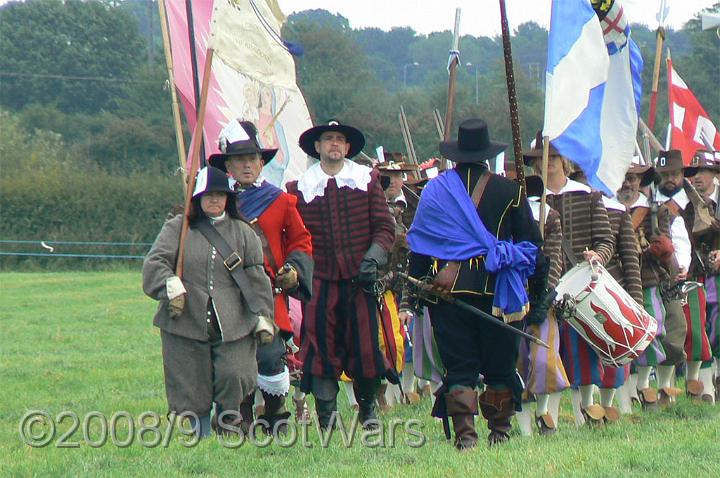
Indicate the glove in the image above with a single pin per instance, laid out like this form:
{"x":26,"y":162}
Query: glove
{"x":265,"y":330}
{"x":540,"y":306}
{"x":286,"y":278}
{"x":662,"y":248}
{"x":175,"y":291}
{"x":375,"y":258}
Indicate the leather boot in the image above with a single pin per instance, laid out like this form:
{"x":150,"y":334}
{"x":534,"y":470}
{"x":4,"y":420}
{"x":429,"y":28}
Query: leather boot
{"x":246,"y":412}
{"x":462,"y":406}
{"x":497,"y":408}
{"x":276,"y":415}
{"x":325,"y":391}
{"x":366,"y":390}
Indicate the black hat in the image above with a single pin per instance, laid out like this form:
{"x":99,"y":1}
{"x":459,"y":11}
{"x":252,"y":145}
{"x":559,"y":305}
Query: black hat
{"x":473,"y":144}
{"x":536,"y":151}
{"x":352,"y":136}
{"x":670,"y":160}
{"x":702,"y":159}
{"x":210,"y":179}
{"x":239,"y":137}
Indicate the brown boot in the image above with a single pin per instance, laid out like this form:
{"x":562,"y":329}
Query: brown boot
{"x":497,"y":408}
{"x":246,"y":412}
{"x":594,"y":415}
{"x":668,"y":395}
{"x":462,"y":406}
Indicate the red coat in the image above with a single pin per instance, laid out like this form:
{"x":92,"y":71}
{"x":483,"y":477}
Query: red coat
{"x":286,"y":234}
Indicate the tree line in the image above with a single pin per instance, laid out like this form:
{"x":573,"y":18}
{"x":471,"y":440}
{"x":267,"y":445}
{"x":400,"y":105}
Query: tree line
{"x":83,"y":91}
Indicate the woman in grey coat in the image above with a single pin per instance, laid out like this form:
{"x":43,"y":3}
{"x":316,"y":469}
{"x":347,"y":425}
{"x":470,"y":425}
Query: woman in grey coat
{"x":208,"y":323}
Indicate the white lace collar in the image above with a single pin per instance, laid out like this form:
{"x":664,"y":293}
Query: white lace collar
{"x":679,"y":197}
{"x":313,"y":182}
{"x":642,"y":201}
{"x":571,"y":186}
{"x":613,"y":204}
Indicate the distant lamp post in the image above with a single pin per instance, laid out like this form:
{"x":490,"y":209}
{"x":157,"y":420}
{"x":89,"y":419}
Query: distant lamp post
{"x":405,"y":67}
{"x":477,"y":83}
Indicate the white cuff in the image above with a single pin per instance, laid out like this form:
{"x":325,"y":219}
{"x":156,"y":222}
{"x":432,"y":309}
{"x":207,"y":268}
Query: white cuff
{"x":174,"y":287}
{"x":266,"y":324}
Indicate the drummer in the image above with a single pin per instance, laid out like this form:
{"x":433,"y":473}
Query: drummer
{"x":586,"y":228}
{"x":624,"y":266}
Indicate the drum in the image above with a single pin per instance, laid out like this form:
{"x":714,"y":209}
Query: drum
{"x":603,"y":313}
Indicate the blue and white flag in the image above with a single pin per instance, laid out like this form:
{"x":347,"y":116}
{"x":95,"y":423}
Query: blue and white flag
{"x":593,"y":92}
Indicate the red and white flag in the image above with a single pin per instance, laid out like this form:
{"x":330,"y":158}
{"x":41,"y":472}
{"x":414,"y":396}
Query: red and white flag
{"x":692,"y":128}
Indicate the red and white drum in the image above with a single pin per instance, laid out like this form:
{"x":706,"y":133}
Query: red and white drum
{"x":604,"y":314}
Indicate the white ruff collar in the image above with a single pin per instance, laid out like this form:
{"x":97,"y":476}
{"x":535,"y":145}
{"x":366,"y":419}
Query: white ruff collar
{"x":313,"y":182}
{"x":571,"y":186}
{"x":613,"y":204}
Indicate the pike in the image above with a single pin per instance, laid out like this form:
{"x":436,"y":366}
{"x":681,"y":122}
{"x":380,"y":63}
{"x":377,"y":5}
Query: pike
{"x":452,"y":70}
{"x":420,"y":285}
{"x":514,"y":112}
{"x":659,"y":38}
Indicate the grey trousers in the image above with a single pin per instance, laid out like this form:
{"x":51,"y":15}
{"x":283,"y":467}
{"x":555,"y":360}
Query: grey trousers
{"x":199,"y":373}
{"x":675,"y":332}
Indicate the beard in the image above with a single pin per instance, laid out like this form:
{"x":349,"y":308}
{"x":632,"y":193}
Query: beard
{"x":669,"y":189}
{"x":626,"y":195}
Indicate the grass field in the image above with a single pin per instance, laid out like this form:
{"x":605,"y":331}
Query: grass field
{"x":83,"y":342}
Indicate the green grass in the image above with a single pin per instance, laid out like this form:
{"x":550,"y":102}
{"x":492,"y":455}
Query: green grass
{"x":85,"y":341}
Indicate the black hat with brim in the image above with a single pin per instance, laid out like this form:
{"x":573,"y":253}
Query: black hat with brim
{"x":669,"y":161}
{"x":210,"y":179}
{"x":537,"y":150}
{"x":352,"y":136}
{"x":473,"y":144}
{"x":248,"y":147}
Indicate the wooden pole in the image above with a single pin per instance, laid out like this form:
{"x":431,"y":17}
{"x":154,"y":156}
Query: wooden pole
{"x":512,"y":99}
{"x":451,"y":84}
{"x":179,"y":139}
{"x":653,"y":141}
{"x":439,"y":124}
{"x":659,"y":38}
{"x":194,"y":67}
{"x":407,"y":137}
{"x":546,"y":154}
{"x":194,"y":158}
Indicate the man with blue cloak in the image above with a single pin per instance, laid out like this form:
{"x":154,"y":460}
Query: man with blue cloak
{"x":474,"y":236}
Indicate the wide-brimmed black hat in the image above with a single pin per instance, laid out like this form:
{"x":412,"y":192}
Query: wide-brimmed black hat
{"x":536,"y":151}
{"x":210,"y":179}
{"x":352,"y":136}
{"x":702,"y":159}
{"x":668,"y":161}
{"x":473,"y":144}
{"x":239,"y":137}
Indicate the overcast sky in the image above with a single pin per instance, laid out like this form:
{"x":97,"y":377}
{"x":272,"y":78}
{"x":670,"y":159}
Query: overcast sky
{"x":478,"y":17}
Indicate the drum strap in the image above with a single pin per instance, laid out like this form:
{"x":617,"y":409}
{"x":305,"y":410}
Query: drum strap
{"x":567,"y":249}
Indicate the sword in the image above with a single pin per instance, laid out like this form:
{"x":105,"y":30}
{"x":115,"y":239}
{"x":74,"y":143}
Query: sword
{"x":420,"y":285}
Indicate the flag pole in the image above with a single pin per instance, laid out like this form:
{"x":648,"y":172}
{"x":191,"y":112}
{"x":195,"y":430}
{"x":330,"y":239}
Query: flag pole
{"x":194,"y":159}
{"x":660,"y":37}
{"x":545,"y":157}
{"x":512,"y":99}
{"x":451,"y":83}
{"x":179,"y":140}
{"x":194,"y":67}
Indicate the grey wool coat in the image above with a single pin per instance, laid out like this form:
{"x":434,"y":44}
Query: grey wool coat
{"x":205,"y":276}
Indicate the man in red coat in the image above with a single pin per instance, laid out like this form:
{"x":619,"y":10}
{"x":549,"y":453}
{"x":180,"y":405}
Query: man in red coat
{"x":287,"y":251}
{"x":343,"y":205}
